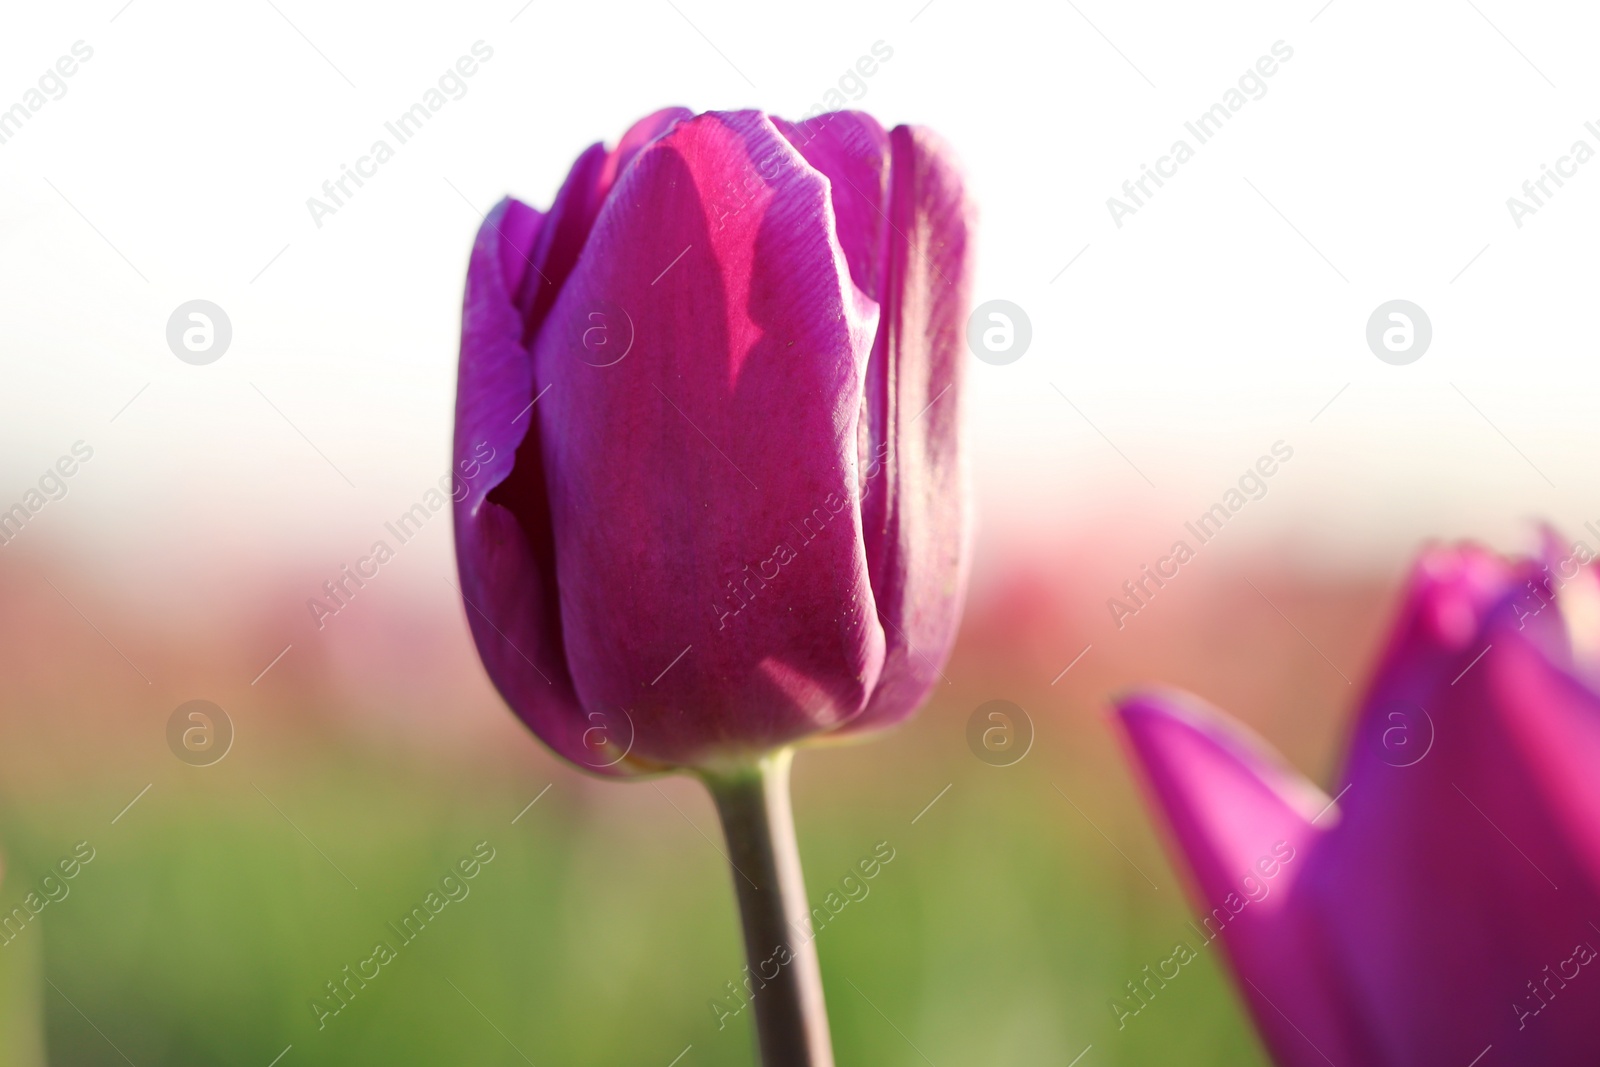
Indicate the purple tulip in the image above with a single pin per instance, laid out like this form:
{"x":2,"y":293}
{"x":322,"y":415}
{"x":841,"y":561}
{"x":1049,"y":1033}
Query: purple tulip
{"x":1443,"y":905}
{"x":711,"y":496}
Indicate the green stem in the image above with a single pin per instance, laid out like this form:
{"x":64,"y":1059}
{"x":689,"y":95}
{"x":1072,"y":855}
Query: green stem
{"x":783,"y":980}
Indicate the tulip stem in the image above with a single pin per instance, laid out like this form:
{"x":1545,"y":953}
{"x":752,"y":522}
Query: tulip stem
{"x":782,"y":979}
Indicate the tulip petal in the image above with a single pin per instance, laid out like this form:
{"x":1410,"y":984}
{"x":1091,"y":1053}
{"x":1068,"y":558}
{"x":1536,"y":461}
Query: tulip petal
{"x":905,"y":225}
{"x":1243,"y":821}
{"x":915,"y":487}
{"x":1450,"y":906}
{"x":576,"y":206}
{"x":1464,"y":868}
{"x":638,"y":137}
{"x":507,"y":579}
{"x":504,"y":542}
{"x":704,"y":366}
{"x":853,"y":151}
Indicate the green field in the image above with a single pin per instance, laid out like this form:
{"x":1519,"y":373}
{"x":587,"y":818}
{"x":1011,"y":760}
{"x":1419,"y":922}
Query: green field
{"x":602,"y":929}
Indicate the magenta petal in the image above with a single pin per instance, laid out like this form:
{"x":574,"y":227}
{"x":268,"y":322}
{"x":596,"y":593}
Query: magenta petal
{"x":704,"y":365}
{"x":1242,"y":820}
{"x":565,"y":231}
{"x":1450,"y":903}
{"x":853,"y":152}
{"x":507,"y":580}
{"x":1453,"y":881}
{"x":701,"y":310}
{"x":572,"y":215}
{"x":638,"y":137}
{"x":904,"y":223}
{"x":915,"y":490}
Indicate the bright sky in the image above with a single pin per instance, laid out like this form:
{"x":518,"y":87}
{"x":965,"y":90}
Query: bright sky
{"x":1227,"y":313}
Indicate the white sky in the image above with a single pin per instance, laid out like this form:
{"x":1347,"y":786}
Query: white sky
{"x":1206,"y":328}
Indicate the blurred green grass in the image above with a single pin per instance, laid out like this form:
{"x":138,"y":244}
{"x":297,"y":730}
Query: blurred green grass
{"x":604,"y":926}
{"x":218,"y":905}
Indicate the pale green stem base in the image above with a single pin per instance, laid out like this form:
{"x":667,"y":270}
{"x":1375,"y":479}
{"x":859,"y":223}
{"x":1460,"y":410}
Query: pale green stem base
{"x":783,"y":980}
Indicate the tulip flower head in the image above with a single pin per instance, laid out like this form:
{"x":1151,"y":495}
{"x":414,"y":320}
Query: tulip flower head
{"x":1445,"y":901}
{"x":711,"y":496}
